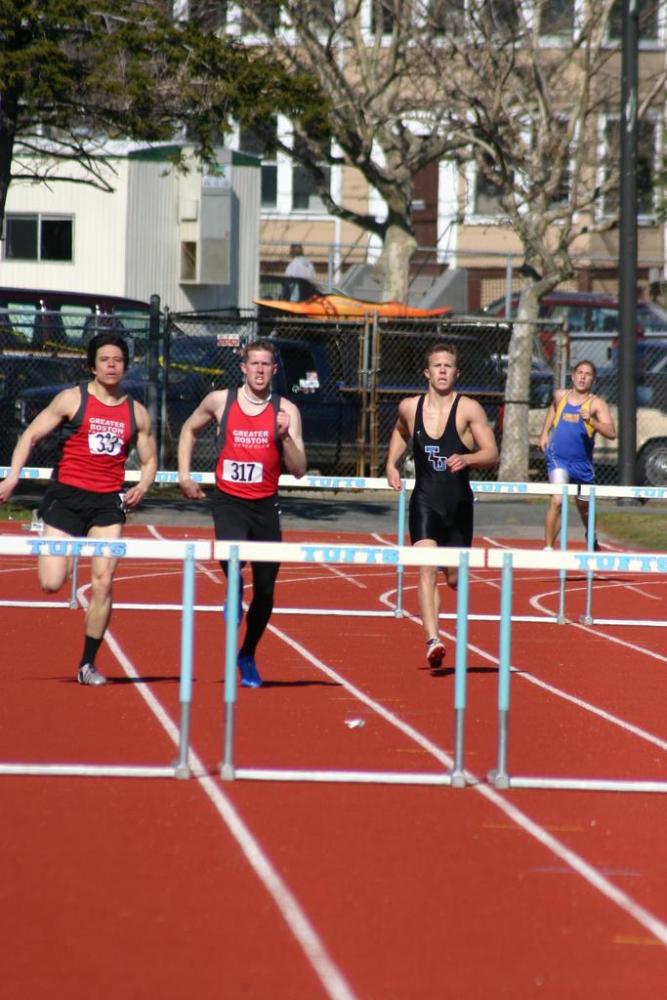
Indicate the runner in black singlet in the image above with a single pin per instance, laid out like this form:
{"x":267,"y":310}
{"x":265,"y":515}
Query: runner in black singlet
{"x":450,"y":434}
{"x":441,"y":504}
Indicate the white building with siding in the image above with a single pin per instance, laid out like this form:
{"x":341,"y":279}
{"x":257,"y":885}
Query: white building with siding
{"x":192,"y":238}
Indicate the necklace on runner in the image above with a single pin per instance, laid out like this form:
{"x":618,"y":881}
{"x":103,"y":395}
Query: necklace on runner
{"x":251,"y":399}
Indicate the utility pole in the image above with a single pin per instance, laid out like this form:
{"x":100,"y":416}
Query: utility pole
{"x":627,"y":354}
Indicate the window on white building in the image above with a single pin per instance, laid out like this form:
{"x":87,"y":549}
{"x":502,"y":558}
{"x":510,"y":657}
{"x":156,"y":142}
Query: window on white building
{"x":324,"y":13}
{"x":210,"y":14}
{"x":447,"y":16}
{"x":556,"y":18}
{"x":38,"y":237}
{"x":647,"y":137}
{"x":267,"y":11}
{"x":304,"y":196}
{"x":648,"y":11}
{"x":263,"y":146}
{"x":500,"y":17}
{"x":382,"y":16}
{"x":487,"y":194}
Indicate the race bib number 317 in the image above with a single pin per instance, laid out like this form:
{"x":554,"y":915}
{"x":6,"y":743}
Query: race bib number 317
{"x":242,"y":472}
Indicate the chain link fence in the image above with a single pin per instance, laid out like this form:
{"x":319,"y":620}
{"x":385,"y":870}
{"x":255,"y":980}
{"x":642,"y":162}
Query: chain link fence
{"x":346,"y":377}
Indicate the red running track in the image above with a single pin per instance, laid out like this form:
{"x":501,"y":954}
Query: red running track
{"x":144,"y":888}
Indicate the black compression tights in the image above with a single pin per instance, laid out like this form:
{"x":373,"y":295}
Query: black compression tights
{"x":263,"y":583}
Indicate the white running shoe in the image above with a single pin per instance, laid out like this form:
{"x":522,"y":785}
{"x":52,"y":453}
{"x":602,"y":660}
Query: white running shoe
{"x":88,"y":674}
{"x":435,"y":652}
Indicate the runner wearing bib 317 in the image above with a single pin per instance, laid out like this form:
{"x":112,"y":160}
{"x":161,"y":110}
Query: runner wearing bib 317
{"x":258,"y":432}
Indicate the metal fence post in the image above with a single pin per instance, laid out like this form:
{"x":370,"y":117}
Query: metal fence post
{"x":153,"y":367}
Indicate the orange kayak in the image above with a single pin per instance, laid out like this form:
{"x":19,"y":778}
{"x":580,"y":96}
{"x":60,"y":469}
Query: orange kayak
{"x":327,"y":306}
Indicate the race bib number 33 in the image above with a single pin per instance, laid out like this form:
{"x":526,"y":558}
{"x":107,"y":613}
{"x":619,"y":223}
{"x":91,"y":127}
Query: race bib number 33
{"x":104,"y":443}
{"x":242,"y":472}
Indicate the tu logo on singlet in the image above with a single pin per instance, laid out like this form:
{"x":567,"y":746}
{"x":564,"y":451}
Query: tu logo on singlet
{"x":438,"y":461}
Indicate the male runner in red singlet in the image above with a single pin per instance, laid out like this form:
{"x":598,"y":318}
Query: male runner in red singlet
{"x":99,"y":424}
{"x":450,"y":435}
{"x":257,"y":431}
{"x":567,"y":440}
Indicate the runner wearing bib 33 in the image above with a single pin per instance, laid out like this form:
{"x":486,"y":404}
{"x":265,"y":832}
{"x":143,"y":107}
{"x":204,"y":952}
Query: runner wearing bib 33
{"x":99,"y":425}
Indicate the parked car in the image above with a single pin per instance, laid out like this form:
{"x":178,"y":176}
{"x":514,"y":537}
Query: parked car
{"x":43,"y":338}
{"x":592,"y":322}
{"x":38,"y":318}
{"x":541,"y":379}
{"x":22,"y":372}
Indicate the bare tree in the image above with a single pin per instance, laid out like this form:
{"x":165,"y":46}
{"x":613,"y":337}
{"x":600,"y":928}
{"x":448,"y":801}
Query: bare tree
{"x":531,"y":90}
{"x":512,"y":93}
{"x":363,"y":77}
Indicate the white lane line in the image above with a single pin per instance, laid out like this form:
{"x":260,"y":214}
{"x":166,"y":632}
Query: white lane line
{"x":328,"y":973}
{"x":573,"y":860}
{"x":494,"y":542}
{"x":345,"y":576}
{"x":588,"y":872}
{"x":525,"y":675}
{"x":536,"y":600}
{"x":202,"y":567}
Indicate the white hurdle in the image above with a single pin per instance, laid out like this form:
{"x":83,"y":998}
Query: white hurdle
{"x":235,"y":552}
{"x":510,"y":559}
{"x":184,"y":551}
{"x":593,"y":493}
{"x":482,"y":488}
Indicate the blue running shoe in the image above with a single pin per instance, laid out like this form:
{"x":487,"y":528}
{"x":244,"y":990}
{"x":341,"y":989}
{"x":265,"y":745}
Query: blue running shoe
{"x":249,"y":676}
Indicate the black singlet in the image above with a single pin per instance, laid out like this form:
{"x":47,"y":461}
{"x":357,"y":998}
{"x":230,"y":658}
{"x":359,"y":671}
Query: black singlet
{"x":441,"y":505}
{"x":442,"y":489}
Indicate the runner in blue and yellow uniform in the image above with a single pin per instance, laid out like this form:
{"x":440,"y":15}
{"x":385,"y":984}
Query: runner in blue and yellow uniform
{"x":568,"y":440}
{"x":450,"y":435}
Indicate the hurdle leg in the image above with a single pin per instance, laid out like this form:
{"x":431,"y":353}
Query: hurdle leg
{"x":187,"y":635}
{"x":398,"y":610}
{"x":233,"y":573}
{"x":499,"y":777}
{"x":587,"y":617}
{"x":73,"y":603}
{"x":564,"y":515}
{"x":458,"y":774}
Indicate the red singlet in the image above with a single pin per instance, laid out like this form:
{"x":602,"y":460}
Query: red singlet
{"x":248,"y":464}
{"x":94,"y":445}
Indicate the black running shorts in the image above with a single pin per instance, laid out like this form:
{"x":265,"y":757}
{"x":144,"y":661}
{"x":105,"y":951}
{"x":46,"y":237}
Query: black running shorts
{"x":76,"y":511}
{"x":452,"y":528}
{"x":236,"y":519}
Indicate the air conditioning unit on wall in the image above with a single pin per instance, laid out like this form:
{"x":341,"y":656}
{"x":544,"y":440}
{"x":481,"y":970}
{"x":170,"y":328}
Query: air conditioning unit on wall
{"x":205,"y":225}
